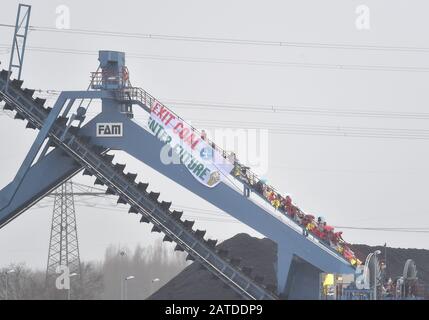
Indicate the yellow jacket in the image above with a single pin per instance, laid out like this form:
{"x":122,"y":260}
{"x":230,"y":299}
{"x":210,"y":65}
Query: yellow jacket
{"x":276,"y":203}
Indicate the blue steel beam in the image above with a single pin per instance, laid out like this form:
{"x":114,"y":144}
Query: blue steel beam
{"x":43,"y":177}
{"x":6,"y":198}
{"x":290,"y":241}
{"x":32,"y":153}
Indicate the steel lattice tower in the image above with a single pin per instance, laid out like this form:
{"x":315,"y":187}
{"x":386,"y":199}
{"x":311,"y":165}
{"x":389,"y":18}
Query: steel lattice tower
{"x":63,"y":245}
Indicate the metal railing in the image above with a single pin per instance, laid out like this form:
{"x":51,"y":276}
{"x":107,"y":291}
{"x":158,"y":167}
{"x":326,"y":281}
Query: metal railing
{"x":101,"y":79}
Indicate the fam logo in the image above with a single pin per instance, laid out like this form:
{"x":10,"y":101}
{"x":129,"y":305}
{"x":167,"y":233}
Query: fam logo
{"x":109,"y":129}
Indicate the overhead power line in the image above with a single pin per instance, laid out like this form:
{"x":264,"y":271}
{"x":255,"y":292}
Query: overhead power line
{"x":206,"y":215}
{"x":320,"y":130}
{"x":265,"y":63}
{"x":311,"y":129}
{"x":278,"y":109}
{"x":222,"y":218}
{"x":223,"y":40}
{"x":306,"y":110}
{"x":405,"y":230}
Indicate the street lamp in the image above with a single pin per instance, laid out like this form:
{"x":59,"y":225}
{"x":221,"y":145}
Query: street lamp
{"x":6,"y":274}
{"x":376,"y":253}
{"x":126,"y":286}
{"x":121,"y":271}
{"x":74,"y":274}
{"x":155,"y":280}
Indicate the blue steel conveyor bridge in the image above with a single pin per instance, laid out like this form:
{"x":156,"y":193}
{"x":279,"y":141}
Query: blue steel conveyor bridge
{"x":64,"y":146}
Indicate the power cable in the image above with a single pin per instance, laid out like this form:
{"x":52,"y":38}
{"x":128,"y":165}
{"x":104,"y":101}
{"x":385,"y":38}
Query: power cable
{"x":355,"y":67}
{"x":219,"y":40}
{"x":216,"y":216}
{"x":276,"y":109}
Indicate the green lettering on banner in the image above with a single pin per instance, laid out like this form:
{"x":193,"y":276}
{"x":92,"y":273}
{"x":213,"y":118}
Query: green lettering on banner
{"x":199,"y":169}
{"x":152,"y":125}
{"x":168,"y":140}
{"x":204,"y":173}
{"x":168,"y":129}
{"x":156,"y":128}
{"x":185,"y":157}
{"x":192,"y":164}
{"x":159,"y":130}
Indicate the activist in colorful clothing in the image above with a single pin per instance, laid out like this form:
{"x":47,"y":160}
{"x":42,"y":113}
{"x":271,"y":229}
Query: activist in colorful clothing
{"x":332,"y":238}
{"x":259,"y":187}
{"x":203,"y":135}
{"x":299,"y":216}
{"x":328,"y":232}
{"x":276,"y":203}
{"x":350,"y":256}
{"x":308,"y":219}
{"x":237,"y":171}
{"x":271,"y":196}
{"x":265,"y":191}
{"x":287,"y":202}
{"x":311,"y":226}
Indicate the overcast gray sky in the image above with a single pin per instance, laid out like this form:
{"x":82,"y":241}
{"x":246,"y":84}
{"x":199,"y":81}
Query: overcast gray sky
{"x":351,"y":181}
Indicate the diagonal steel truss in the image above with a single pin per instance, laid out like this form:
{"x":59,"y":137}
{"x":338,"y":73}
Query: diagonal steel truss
{"x":19,"y":39}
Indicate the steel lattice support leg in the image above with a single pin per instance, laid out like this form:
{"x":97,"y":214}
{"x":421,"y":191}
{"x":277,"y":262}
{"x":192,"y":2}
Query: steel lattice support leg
{"x":19,"y":40}
{"x":64,"y":244}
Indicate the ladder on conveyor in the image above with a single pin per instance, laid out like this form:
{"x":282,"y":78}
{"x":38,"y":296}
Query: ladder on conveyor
{"x":95,"y":161}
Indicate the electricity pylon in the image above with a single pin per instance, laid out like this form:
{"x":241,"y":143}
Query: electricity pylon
{"x":63,"y":244}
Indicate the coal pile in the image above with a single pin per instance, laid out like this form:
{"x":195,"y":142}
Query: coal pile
{"x":196,"y":283}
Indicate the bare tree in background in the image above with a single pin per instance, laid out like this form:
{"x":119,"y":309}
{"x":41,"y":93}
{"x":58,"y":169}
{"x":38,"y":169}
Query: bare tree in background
{"x":145,"y":264}
{"x":101,"y":280}
{"x":25,"y":284}
{"x":22,"y":284}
